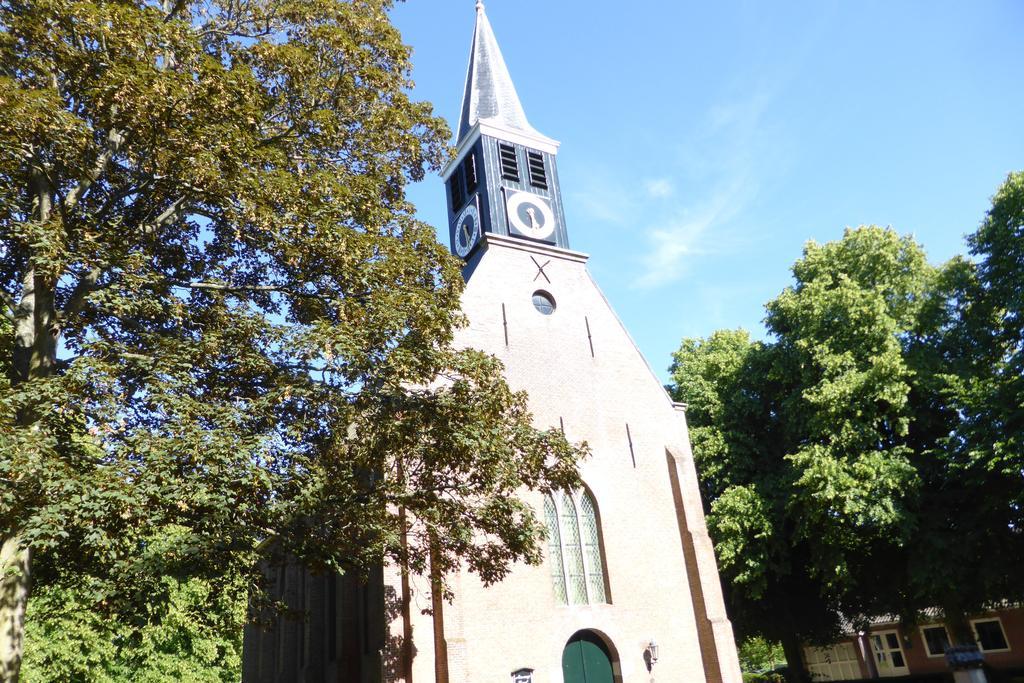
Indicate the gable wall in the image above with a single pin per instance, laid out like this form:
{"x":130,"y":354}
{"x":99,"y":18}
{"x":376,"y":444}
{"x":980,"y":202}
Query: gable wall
{"x":517,"y":623}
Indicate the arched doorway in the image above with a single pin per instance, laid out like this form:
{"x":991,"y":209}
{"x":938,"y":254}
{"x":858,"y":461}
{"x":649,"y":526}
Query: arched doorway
{"x":586,"y":659}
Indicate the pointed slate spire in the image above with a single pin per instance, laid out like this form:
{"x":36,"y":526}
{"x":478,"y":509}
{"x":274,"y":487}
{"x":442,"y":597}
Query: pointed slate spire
{"x":490,"y":95}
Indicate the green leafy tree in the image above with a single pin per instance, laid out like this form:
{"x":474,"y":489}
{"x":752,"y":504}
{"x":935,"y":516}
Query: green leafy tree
{"x":757,"y":654}
{"x":220,"y":314}
{"x":881,"y":428}
{"x":993,"y":400}
{"x":968,"y":427}
{"x":740,"y":443}
{"x":193,"y":634}
{"x":68,"y":640}
{"x":801,"y":441}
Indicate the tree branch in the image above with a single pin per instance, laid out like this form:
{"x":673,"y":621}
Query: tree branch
{"x":85,"y":285}
{"x":169,"y":214}
{"x":116,"y":197}
{"x":114,"y":141}
{"x":224,"y":287}
{"x":271,"y":139}
{"x":12,"y":306}
{"x":174,"y":9}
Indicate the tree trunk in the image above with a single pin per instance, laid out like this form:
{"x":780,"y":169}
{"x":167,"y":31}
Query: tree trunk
{"x":16,"y":560}
{"x":14,"y":588}
{"x":963,"y":656}
{"x":793,"y":647}
{"x":437,"y":609}
{"x":35,"y":356}
{"x":960,"y":632}
{"x":407,"y":650}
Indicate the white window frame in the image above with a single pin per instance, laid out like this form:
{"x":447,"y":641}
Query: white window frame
{"x":833,"y":662}
{"x":891,"y":670}
{"x":924,"y":641}
{"x":999,"y":621}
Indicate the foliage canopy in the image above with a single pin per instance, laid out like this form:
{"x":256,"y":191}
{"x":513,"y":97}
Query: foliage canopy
{"x":193,"y":634}
{"x":880,"y":427}
{"x":219,"y":313}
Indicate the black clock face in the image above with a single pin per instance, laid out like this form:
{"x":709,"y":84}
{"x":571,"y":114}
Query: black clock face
{"x":467,"y":230}
{"x":530,"y":215}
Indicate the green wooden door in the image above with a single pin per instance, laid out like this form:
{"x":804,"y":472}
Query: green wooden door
{"x":586,"y":660}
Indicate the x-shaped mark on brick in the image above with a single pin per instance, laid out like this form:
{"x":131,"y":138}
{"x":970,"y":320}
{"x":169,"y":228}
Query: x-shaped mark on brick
{"x":540,"y":269}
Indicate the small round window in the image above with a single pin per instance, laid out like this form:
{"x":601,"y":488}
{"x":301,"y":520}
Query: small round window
{"x":543,"y":302}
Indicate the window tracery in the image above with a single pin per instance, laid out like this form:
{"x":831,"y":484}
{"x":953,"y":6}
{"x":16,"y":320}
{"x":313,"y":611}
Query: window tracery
{"x":574,"y":548}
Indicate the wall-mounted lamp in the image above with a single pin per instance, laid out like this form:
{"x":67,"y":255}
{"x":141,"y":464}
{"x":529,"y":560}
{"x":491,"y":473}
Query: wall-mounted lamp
{"x":652,"y":651}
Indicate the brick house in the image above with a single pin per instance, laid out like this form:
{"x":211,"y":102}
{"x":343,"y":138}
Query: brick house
{"x":890,"y":649}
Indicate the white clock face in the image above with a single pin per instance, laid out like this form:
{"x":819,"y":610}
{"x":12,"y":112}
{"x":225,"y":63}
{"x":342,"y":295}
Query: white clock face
{"x":530,"y":215}
{"x":467,"y":230}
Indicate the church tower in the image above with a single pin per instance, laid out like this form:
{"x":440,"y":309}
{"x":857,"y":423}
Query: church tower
{"x":503,"y":180}
{"x":629,"y":590}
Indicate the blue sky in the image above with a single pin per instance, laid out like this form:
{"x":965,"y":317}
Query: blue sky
{"x":703,"y":143}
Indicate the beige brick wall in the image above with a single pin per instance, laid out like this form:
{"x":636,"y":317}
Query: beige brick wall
{"x":661,"y":570}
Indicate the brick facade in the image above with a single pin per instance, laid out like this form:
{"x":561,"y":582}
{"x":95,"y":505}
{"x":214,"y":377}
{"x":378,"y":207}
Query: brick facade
{"x":582,"y":371}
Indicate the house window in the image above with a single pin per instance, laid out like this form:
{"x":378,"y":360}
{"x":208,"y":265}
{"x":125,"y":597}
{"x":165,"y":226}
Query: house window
{"x":936,"y":640}
{"x":574,"y":548}
{"x":592,"y":549}
{"x":889,"y":654}
{"x":835,"y":663}
{"x":522,"y":676}
{"x":509,"y":163}
{"x":990,"y":635}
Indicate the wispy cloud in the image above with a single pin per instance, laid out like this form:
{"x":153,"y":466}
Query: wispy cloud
{"x":604,"y":200}
{"x":673,"y":243}
{"x":660,"y":188}
{"x":725,"y":159}
{"x":699,"y":201}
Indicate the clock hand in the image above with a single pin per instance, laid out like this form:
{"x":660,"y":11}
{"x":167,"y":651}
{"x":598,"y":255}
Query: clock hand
{"x":465,"y":233}
{"x":532,"y":213}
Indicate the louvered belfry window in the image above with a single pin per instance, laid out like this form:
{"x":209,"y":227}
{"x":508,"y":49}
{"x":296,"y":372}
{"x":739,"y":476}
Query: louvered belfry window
{"x":574,"y":548}
{"x":469,"y":169}
{"x":538,"y":176}
{"x":509,"y":163}
{"x":458,"y":199}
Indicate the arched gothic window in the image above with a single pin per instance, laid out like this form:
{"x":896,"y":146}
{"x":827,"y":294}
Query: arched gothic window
{"x":574,"y":548}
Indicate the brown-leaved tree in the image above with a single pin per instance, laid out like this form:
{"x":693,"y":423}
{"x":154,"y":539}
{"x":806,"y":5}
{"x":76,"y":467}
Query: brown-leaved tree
{"x":219,"y":314}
